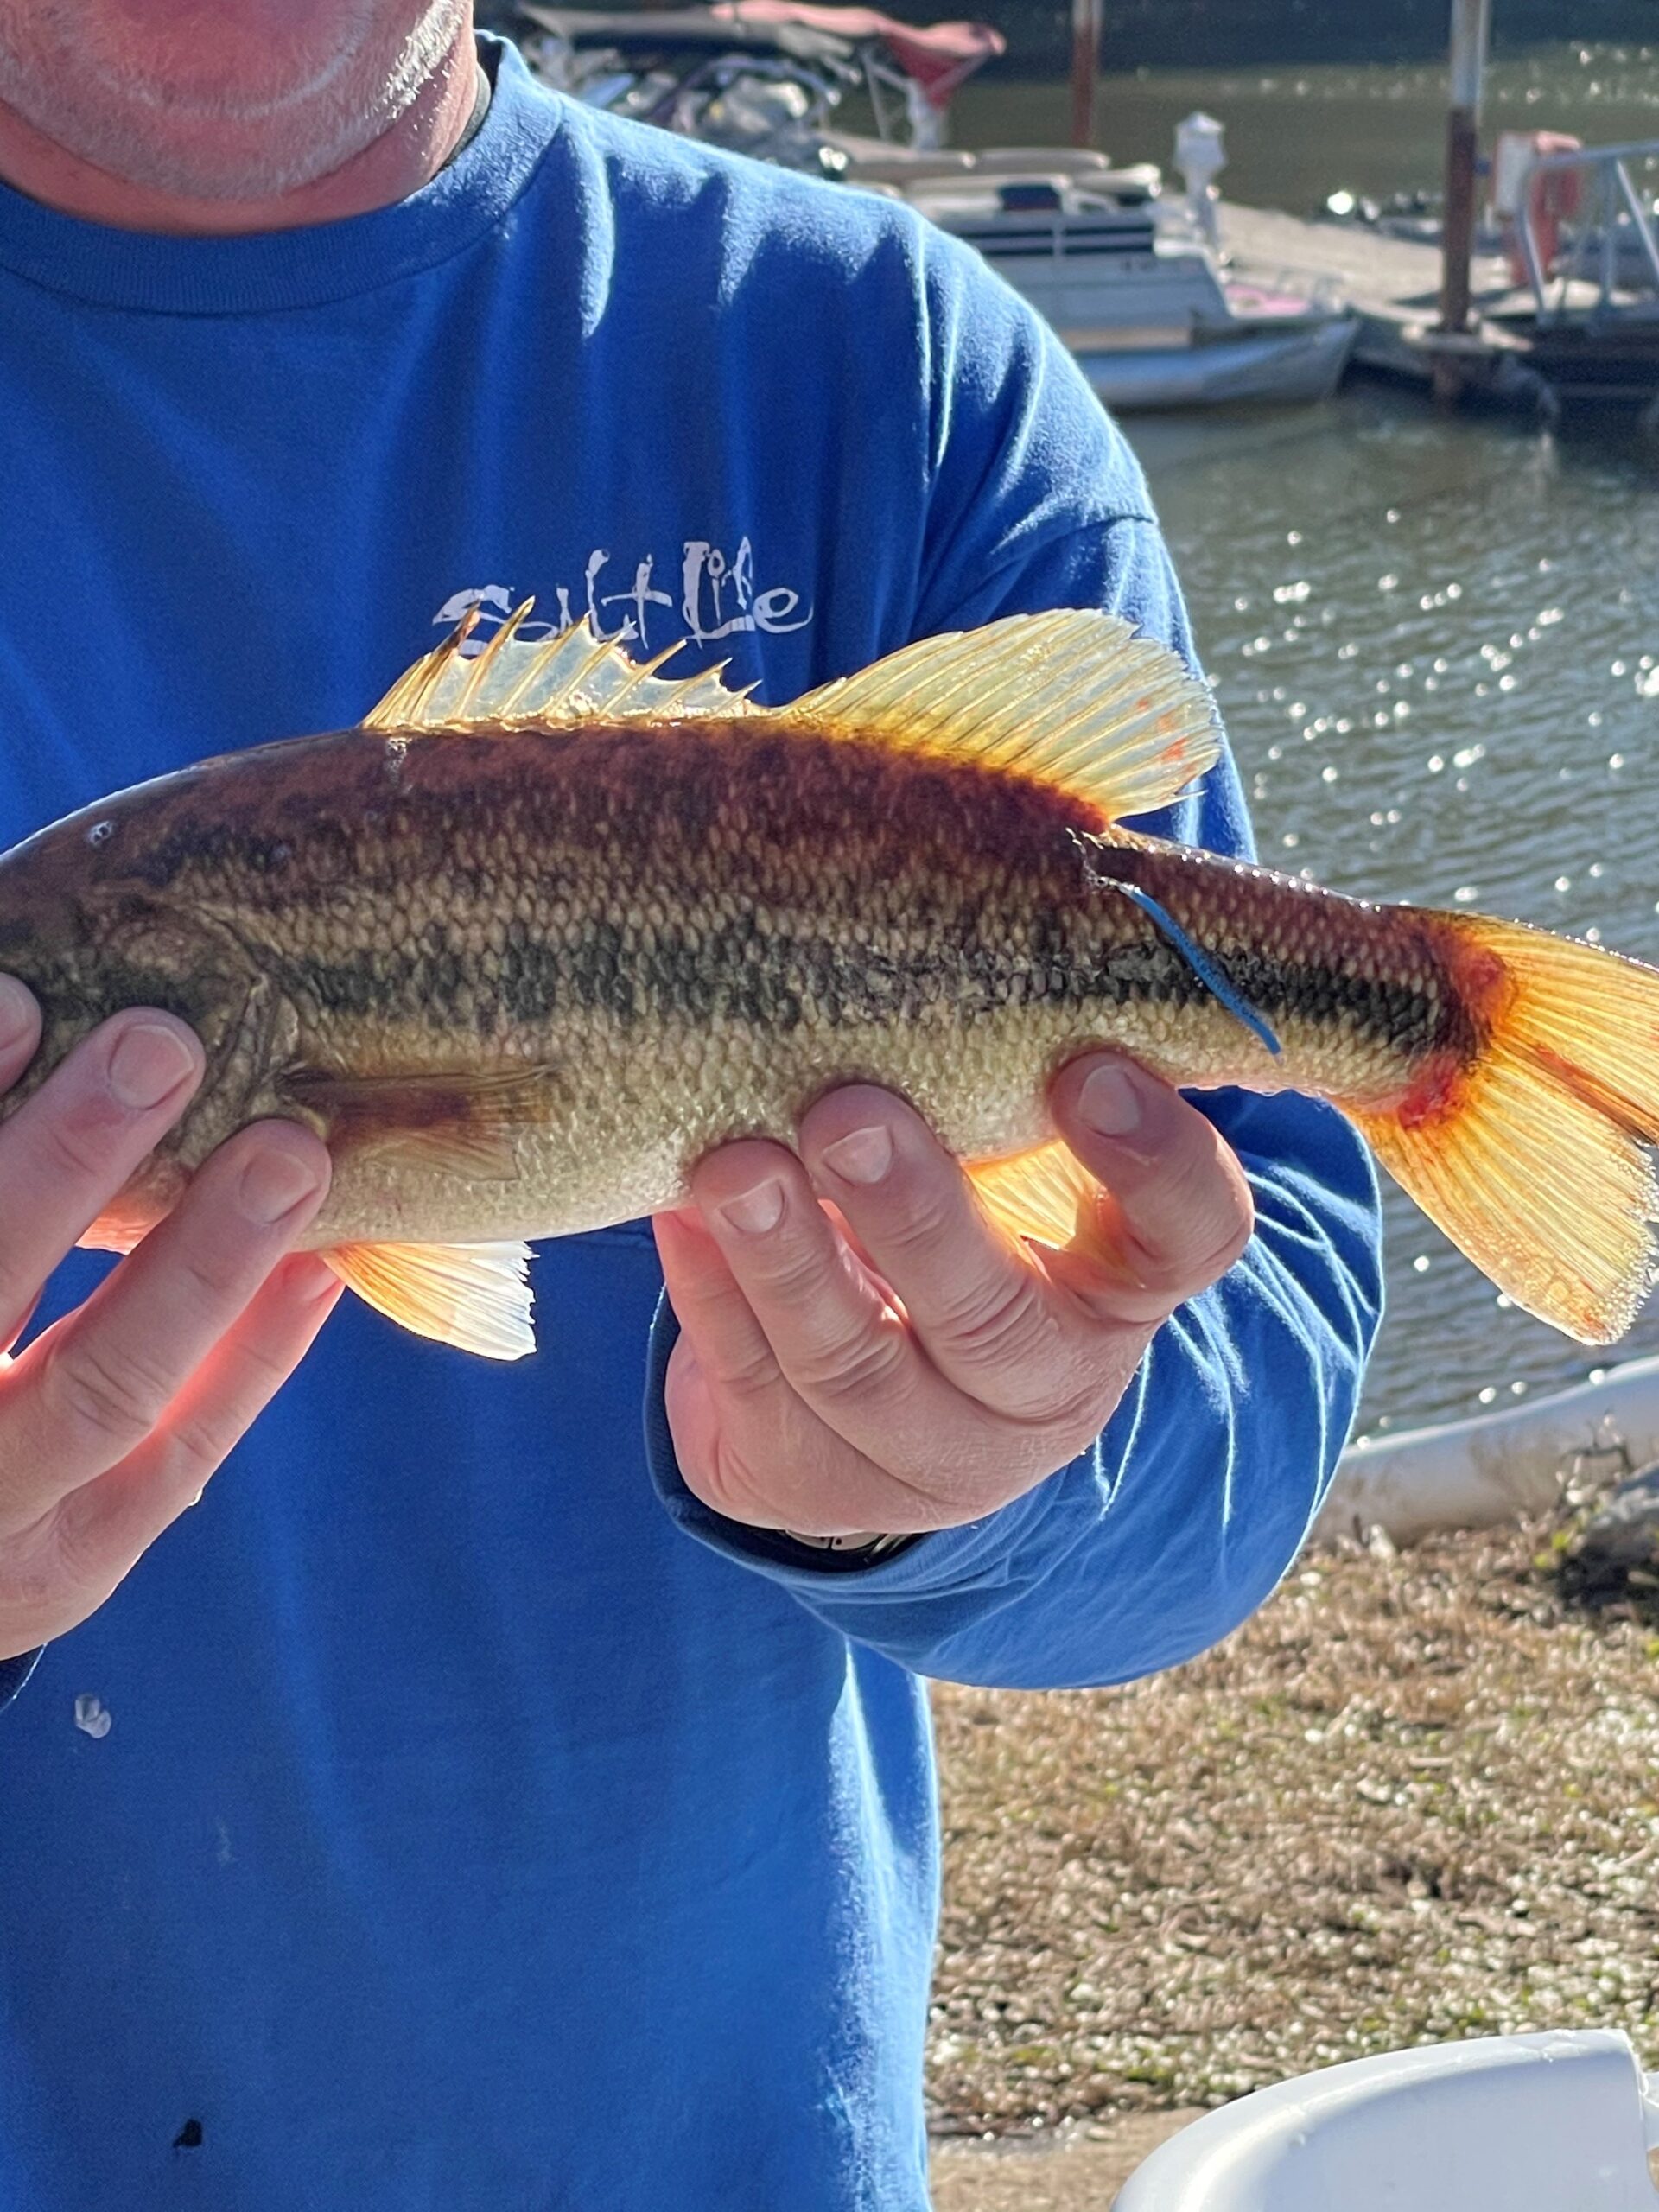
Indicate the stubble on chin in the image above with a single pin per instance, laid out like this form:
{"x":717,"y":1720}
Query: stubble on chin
{"x":142,"y":107}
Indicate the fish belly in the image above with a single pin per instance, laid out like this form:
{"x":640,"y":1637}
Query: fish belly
{"x":628,"y":1115}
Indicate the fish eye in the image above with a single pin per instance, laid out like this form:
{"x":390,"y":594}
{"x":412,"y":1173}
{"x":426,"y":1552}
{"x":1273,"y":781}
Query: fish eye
{"x":100,"y":833}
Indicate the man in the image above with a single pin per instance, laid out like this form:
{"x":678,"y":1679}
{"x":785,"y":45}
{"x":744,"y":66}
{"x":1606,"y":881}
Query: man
{"x":477,"y":1802}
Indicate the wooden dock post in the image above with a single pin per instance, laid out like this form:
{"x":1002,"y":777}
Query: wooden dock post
{"x":1470,"y":20}
{"x":1085,"y":68}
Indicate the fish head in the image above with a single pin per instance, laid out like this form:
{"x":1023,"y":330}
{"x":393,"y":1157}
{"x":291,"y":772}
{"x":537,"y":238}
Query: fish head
{"x":91,"y":930}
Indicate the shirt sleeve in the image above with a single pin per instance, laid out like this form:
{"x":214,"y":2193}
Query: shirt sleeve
{"x":1185,"y":1512}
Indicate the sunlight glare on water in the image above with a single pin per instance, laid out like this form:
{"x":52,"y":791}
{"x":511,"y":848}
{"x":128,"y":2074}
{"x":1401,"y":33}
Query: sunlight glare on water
{"x":1436,"y":644}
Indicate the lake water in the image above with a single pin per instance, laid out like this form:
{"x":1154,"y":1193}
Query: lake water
{"x":1294,"y":134}
{"x":1436,"y":644}
{"x":1435,"y":640}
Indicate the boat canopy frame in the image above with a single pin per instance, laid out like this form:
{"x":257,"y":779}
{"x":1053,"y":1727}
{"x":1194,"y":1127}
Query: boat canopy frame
{"x":1611,"y":207}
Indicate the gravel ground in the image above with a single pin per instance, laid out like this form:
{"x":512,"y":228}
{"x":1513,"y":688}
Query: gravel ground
{"x":1068,"y":2173}
{"x":1417,"y":1797}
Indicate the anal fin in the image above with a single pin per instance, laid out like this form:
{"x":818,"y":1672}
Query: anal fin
{"x":476,"y":1297}
{"x":1047,"y":1195}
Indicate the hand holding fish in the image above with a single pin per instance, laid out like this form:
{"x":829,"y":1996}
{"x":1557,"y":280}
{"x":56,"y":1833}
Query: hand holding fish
{"x":925,"y":1369}
{"x":111,"y":1420}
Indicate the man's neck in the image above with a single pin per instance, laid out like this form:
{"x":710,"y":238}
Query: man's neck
{"x":407,"y":156}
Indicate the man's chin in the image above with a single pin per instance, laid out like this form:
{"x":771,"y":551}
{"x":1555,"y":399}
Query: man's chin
{"x":208,"y":164}
{"x":237,"y":136}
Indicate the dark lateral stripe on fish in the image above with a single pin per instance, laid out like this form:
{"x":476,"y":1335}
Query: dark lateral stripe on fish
{"x":733,"y":972}
{"x":739,"y":969}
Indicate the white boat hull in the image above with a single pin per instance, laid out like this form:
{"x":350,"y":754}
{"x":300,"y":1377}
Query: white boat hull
{"x":1273,"y":364}
{"x":1495,"y":1467}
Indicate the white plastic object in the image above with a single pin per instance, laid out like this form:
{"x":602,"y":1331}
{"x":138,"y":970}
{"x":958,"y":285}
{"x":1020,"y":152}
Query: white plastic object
{"x":1496,"y":1467}
{"x":1513,"y":155}
{"x":1560,"y":2122}
{"x":1200,"y":154}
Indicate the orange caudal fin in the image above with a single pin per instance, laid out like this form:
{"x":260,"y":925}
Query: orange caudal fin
{"x":1531,"y":1158}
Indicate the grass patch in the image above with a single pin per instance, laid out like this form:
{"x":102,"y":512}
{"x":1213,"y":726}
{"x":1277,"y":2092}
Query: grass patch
{"x":1417,"y":1797}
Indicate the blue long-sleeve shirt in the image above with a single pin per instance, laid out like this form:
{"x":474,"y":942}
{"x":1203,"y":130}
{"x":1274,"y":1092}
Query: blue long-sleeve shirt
{"x":480,"y":1820}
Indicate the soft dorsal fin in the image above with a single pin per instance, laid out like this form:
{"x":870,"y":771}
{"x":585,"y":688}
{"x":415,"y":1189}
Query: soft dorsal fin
{"x":1075,"y":699}
{"x":554,"y":683}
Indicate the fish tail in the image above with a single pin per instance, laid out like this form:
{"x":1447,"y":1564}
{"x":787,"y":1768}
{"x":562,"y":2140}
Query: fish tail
{"x":1528,"y":1152}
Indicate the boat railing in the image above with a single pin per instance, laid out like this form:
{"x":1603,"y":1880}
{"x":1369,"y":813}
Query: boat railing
{"x":1610,"y":211}
{"x":904,"y":114}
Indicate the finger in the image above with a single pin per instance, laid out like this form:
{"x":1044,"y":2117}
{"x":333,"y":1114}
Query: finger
{"x":988,"y":1319}
{"x":69,"y":1149}
{"x":747,"y":1444}
{"x":1179,"y":1210}
{"x":103,"y":1525}
{"x":9,"y":1341}
{"x":713,"y":1313}
{"x":90,"y":1389}
{"x":20,"y":1029}
{"x":839,"y":1344}
{"x":721,"y":1359}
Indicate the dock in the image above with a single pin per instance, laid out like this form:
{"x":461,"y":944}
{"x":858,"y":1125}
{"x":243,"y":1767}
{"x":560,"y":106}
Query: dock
{"x":1394,"y":286}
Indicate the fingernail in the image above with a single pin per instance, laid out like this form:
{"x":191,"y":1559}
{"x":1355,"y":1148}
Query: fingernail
{"x":148,"y":1064}
{"x":1109,"y":1101}
{"x":757,"y":1211}
{"x":16,"y":1012}
{"x":863,"y":1156}
{"x":273,"y":1183}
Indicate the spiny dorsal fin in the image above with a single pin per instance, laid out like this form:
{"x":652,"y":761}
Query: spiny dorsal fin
{"x":476,"y":1297}
{"x":1075,"y":699}
{"x":554,"y":683}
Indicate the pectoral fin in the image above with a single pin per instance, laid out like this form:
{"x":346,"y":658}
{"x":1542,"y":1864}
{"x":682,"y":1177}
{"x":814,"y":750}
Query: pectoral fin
{"x":476,"y":1297}
{"x":450,"y":1121}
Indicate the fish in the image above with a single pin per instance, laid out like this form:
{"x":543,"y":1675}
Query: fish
{"x":549,"y":923}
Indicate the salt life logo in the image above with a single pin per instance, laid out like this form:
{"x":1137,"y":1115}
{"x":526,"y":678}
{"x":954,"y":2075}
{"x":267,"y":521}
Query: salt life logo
{"x":717,"y":597}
